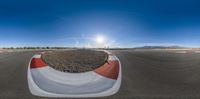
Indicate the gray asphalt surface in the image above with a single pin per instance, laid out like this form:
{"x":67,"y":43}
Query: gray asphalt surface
{"x":146,"y":75}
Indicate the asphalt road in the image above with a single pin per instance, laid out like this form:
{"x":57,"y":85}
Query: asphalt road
{"x":145,"y":74}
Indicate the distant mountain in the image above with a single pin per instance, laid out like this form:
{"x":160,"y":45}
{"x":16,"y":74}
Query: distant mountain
{"x":161,"y":47}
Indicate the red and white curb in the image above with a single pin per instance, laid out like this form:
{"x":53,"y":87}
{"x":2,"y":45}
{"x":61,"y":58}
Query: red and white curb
{"x":46,"y":82}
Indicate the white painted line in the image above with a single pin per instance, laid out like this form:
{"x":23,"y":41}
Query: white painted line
{"x":181,"y":52}
{"x":37,"y":56}
{"x":112,"y":57}
{"x":42,"y":52}
{"x":197,"y":51}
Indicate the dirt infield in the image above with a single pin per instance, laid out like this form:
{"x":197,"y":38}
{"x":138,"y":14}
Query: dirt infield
{"x":75,"y":61}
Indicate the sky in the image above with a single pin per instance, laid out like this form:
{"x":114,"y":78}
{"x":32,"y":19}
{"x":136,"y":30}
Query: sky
{"x":99,"y":23}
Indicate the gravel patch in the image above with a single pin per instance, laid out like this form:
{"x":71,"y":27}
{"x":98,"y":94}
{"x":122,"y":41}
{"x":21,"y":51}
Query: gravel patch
{"x":75,"y":61}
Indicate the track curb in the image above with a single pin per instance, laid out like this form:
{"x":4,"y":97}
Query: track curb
{"x":44,"y":81}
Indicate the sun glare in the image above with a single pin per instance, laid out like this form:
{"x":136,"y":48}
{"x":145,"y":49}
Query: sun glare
{"x":100,"y":39}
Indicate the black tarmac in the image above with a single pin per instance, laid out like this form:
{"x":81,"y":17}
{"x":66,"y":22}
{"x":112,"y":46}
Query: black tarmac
{"x":146,"y":74}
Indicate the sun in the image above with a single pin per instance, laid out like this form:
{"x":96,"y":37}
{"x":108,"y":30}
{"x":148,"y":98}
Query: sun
{"x":100,"y":39}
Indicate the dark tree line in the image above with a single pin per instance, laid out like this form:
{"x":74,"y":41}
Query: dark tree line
{"x":27,"y":47}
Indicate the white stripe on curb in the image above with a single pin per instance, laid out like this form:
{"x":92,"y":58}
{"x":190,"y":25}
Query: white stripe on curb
{"x":47,"y":82}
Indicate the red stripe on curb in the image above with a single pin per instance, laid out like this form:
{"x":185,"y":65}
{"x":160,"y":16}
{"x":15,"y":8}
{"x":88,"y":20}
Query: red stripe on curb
{"x":37,"y":63}
{"x":109,"y":70}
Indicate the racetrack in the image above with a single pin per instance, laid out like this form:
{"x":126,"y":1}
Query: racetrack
{"x":145,"y":74}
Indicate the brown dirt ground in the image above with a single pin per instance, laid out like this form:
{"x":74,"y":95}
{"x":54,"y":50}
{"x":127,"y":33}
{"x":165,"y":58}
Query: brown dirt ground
{"x":75,"y":61}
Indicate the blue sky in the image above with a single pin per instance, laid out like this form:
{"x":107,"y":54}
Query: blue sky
{"x":122,"y":23}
